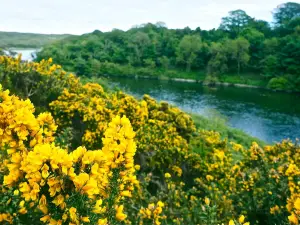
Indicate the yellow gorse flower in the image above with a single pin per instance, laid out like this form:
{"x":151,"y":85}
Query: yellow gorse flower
{"x":231,"y":222}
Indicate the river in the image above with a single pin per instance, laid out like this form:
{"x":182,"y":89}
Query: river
{"x":28,"y":54}
{"x":270,"y":116}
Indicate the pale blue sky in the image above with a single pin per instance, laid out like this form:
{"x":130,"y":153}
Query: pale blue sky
{"x":82,"y":16}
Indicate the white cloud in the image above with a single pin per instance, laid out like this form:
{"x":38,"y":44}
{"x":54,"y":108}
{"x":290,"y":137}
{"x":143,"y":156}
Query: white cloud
{"x":77,"y":16}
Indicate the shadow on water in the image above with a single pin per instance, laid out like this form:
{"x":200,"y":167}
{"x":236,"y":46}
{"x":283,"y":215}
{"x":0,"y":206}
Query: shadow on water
{"x":270,"y":116}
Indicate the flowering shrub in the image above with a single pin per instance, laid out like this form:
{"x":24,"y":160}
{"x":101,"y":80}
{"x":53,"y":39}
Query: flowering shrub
{"x":42,"y":182}
{"x":147,"y":164}
{"x":42,"y":82}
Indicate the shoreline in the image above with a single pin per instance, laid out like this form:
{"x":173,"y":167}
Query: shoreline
{"x":203,"y":83}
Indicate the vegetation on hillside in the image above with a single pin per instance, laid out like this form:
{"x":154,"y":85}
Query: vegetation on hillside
{"x":28,"y":40}
{"x":242,"y":50}
{"x":147,"y":163}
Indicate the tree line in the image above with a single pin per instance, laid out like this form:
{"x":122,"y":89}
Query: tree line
{"x":240,"y":45}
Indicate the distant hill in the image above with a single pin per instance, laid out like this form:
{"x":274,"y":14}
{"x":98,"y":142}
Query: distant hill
{"x":28,"y":40}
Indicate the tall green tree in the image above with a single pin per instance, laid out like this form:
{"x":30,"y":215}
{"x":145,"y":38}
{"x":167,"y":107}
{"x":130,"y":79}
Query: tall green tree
{"x":238,"y":50}
{"x":217,"y":64}
{"x":262,"y":26}
{"x":139,"y":43}
{"x":256,"y":40}
{"x":269,"y":64}
{"x":284,"y":13}
{"x":235,"y":22}
{"x":187,"y":50}
{"x":164,"y":62}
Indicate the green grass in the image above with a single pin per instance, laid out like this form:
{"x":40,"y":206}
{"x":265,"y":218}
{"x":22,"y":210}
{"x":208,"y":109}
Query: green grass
{"x":218,"y":123}
{"x":28,"y":40}
{"x":245,"y":78}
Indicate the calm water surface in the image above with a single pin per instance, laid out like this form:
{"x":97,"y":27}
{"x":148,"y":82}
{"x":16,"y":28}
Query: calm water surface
{"x":267,"y":115}
{"x":28,"y":54}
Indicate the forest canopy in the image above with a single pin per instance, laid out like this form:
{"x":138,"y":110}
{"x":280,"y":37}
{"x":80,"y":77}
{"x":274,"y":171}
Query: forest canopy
{"x":242,"y":45}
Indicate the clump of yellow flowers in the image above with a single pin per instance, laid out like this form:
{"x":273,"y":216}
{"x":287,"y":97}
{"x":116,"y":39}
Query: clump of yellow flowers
{"x":152,"y":213}
{"x":58,"y":186}
{"x":85,"y":155}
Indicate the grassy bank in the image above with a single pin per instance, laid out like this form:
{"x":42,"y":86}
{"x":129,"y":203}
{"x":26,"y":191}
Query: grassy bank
{"x":218,"y":123}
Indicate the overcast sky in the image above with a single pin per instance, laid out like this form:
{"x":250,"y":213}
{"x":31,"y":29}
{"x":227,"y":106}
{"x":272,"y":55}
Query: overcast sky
{"x":83,"y":16}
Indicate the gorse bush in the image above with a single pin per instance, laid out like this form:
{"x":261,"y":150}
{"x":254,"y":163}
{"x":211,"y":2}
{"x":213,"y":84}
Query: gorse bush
{"x":41,"y":82}
{"x":146,"y":163}
{"x":43,"y":182}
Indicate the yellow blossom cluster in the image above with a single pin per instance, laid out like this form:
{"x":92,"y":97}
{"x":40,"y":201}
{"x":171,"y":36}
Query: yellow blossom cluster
{"x":61,"y":186}
{"x":160,"y":128}
{"x":152,"y":213}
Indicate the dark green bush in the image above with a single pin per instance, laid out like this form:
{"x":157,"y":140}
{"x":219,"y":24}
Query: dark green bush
{"x":279,"y":83}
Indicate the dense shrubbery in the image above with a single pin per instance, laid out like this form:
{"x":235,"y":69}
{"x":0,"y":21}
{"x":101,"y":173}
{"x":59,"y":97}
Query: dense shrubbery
{"x":147,"y":164}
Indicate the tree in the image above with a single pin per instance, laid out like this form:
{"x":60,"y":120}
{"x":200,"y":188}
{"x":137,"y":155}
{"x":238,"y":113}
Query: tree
{"x":238,"y":50}
{"x":269,"y":65}
{"x":217,"y":65}
{"x":149,"y":63}
{"x":95,"y":67}
{"x":235,"y":22}
{"x":160,"y":24}
{"x":290,"y":54}
{"x":187,"y":50}
{"x":284,"y":13}
{"x":256,"y":40}
{"x":164,"y":62}
{"x":138,"y":44}
{"x":81,"y":67}
{"x":271,"y":46}
{"x":261,"y":26}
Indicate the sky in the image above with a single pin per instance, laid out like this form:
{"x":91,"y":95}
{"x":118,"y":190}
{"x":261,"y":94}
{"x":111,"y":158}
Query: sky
{"x":84,"y":16}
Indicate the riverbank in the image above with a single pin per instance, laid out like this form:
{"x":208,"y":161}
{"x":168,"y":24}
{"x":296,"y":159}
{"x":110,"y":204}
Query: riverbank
{"x":244,"y":80}
{"x":230,"y":82}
